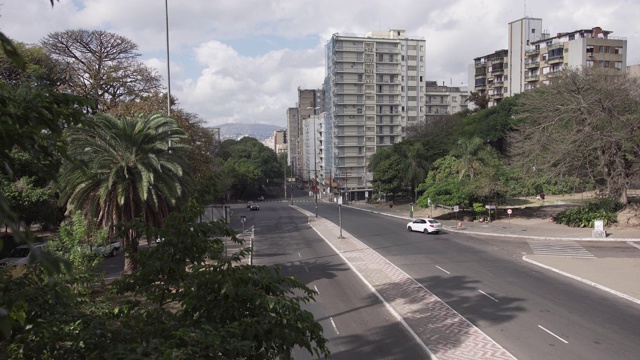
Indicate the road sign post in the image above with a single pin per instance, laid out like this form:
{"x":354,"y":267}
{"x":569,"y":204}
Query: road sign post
{"x":340,"y":216}
{"x":509,"y":211}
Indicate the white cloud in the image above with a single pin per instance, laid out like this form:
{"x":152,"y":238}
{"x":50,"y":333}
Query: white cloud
{"x":222,"y":84}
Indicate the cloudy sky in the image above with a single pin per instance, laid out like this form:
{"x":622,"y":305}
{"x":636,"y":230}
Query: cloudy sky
{"x":243,"y":60}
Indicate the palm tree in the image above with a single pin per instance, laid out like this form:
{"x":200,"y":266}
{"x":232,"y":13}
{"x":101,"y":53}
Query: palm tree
{"x":414,"y":167}
{"x":126,"y":169}
{"x":472,"y":154}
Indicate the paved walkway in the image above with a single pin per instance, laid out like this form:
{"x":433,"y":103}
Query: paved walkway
{"x":443,"y":332}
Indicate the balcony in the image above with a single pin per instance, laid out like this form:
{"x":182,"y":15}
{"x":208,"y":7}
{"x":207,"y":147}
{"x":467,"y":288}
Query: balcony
{"x":555,"y":60}
{"x":347,"y":59}
{"x":387,"y":112}
{"x":339,"y":91}
{"x":532,"y":52}
{"x":386,"y":49}
{"x":348,"y":101}
{"x":497,"y":71}
{"x":387,"y":70}
{"x":350,"y":69}
{"x":531,"y":77}
{"x":528,"y":64}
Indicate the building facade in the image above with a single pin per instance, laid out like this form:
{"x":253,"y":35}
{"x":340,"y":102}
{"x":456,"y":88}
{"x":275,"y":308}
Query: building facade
{"x":374,"y":89}
{"x":534,"y":57}
{"x":293,"y":141}
{"x":280,"y":141}
{"x":444,"y":100}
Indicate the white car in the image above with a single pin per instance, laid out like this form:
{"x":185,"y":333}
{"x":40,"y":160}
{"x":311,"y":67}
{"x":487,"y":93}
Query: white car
{"x":20,"y":255}
{"x":425,"y":225}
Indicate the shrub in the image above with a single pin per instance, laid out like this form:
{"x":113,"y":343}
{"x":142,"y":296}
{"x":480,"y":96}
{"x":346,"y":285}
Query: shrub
{"x":602,"y":209}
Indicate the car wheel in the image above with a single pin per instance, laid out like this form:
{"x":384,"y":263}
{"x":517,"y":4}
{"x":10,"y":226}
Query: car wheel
{"x":409,"y":228}
{"x":426,"y":231}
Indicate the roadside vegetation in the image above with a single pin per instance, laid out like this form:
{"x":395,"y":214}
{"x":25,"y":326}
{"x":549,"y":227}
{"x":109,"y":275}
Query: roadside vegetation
{"x":90,"y":155}
{"x":579,"y":133}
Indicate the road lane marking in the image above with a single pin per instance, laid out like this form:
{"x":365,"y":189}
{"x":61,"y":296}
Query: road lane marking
{"x":315,"y":287}
{"x":489,"y":296}
{"x":305,"y":267}
{"x":443,"y":269}
{"x":334,"y":326}
{"x":633,"y":244}
{"x":558,"y":337}
{"x":300,"y":256}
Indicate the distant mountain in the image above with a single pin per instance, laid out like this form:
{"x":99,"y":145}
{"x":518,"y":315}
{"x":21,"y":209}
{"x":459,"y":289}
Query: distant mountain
{"x":258,"y":131}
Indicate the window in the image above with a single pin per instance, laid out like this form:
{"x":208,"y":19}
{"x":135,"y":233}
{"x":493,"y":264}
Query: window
{"x":412,"y":57}
{"x":618,"y":65}
{"x":411,"y":88}
{"x":607,"y":50}
{"x":601,"y":49}
{"x":617,"y":50}
{"x":606,"y":64}
{"x":589,"y":63}
{"x":412,"y":68}
{"x":533,"y":31}
{"x":454,"y":99}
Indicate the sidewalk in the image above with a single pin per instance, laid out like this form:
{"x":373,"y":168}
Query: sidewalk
{"x":617,"y":276}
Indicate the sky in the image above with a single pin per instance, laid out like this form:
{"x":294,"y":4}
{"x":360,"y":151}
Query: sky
{"x":242,"y":61}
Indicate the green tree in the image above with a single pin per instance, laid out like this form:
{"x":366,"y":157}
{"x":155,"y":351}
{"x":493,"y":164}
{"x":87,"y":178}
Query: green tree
{"x":443,"y":186}
{"x":414,"y":166}
{"x":472,"y":154}
{"x":584,"y":124}
{"x":101,"y":66}
{"x":124,"y":170}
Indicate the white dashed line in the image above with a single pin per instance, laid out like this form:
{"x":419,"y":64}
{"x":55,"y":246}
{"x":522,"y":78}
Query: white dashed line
{"x":443,"y":269}
{"x":489,"y":296}
{"x":300,"y":256}
{"x":315,"y":287}
{"x":334,"y":326}
{"x":558,"y":337}
{"x":306,"y":268}
{"x":633,"y":244}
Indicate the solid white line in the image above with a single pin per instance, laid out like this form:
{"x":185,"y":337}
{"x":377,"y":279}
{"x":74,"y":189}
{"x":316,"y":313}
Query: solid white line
{"x":588,"y":282}
{"x":558,"y":337}
{"x":443,"y":269}
{"x":633,"y":244}
{"x":315,"y":287}
{"x":487,"y":295}
{"x":334,"y":326}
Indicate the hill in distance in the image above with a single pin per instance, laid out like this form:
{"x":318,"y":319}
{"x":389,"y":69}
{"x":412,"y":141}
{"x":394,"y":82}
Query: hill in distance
{"x":258,"y":131}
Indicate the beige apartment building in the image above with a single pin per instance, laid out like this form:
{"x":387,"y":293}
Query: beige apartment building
{"x":444,"y":100}
{"x":534,"y":57}
{"x":374,"y":90}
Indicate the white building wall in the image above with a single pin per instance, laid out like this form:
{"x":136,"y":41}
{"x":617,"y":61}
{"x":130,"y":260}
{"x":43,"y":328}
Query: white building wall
{"x":521,"y":33}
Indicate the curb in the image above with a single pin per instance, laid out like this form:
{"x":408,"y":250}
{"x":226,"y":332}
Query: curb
{"x":453,"y":229}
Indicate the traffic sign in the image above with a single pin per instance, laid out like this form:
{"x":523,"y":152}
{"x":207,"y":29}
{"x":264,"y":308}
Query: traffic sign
{"x":509,"y":211}
{"x":456,"y":208}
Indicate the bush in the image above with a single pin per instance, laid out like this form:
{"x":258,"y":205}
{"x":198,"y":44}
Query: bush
{"x":602,"y":209}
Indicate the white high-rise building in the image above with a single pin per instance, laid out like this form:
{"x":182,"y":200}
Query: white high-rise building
{"x":375,"y":89}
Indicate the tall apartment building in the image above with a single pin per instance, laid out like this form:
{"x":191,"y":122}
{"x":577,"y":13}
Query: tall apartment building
{"x":522,"y":33}
{"x":580,"y":48}
{"x":444,"y":100}
{"x":280,"y":141}
{"x":489,"y":76}
{"x":373,"y":91}
{"x":293,"y":132}
{"x":534,"y":57}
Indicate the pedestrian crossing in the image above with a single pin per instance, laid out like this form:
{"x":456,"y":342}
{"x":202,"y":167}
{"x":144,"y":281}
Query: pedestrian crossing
{"x":558,"y":248}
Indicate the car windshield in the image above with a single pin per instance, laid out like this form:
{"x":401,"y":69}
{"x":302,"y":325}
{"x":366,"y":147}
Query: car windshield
{"x":20,"y":252}
{"x":431,"y":221}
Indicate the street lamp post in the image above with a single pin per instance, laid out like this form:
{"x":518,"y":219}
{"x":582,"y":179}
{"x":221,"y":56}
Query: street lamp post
{"x":315,"y":159}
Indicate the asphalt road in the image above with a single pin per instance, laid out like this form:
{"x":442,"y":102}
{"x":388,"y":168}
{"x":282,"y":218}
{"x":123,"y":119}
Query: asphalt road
{"x":355,"y":321}
{"x":532,"y":313}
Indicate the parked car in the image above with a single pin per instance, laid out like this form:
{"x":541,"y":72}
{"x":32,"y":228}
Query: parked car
{"x":254,"y":207}
{"x":20,"y":255}
{"x":425,"y":225}
{"x":249,"y":204}
{"x":261,"y":198}
{"x":108,"y":250}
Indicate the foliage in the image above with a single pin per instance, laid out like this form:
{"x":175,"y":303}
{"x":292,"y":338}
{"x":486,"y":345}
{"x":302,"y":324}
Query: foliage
{"x":491,"y":125}
{"x":101,"y":66}
{"x":71,"y":243}
{"x":443,"y":186}
{"x":123,"y":170}
{"x":248,"y":164}
{"x":586,"y":125}
{"x":600,"y":209}
{"x":32,"y":204}
{"x":479,"y":99}
{"x":479,"y":208}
